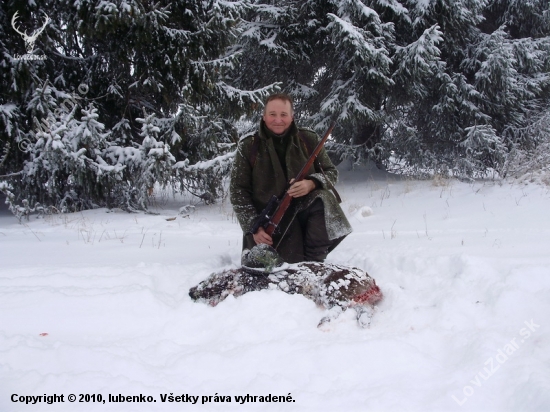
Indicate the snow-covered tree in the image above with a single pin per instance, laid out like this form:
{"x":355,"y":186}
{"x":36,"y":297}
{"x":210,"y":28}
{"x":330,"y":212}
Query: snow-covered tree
{"x":418,"y":80}
{"x":449,"y":86}
{"x":64,"y":169}
{"x":488,"y":81}
{"x":167,"y":58}
{"x":332,"y":56}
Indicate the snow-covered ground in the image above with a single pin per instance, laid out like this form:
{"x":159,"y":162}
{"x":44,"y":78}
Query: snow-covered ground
{"x":97,"y":303}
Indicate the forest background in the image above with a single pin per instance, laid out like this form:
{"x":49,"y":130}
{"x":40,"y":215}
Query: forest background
{"x":115,"y":98}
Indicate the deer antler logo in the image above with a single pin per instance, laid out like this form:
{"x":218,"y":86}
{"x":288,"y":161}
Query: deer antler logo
{"x":29,"y":40}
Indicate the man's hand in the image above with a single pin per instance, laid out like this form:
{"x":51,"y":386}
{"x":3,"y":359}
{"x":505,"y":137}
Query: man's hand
{"x":301,"y":188}
{"x":261,"y":237}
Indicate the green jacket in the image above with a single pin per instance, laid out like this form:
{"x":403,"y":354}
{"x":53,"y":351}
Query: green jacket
{"x":251,"y":188}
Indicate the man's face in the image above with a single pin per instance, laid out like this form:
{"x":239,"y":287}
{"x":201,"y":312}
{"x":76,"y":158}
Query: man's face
{"x":278,"y":116}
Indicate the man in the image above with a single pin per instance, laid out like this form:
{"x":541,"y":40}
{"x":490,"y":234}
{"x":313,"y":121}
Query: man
{"x":265,"y":164}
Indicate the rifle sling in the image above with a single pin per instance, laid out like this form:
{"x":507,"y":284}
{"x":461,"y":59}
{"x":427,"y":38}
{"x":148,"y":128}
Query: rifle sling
{"x":254,"y":150}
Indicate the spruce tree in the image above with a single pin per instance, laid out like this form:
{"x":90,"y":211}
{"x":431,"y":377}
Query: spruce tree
{"x":446,"y":86}
{"x":457,"y":87}
{"x":167,"y":58}
{"x":332,"y":56}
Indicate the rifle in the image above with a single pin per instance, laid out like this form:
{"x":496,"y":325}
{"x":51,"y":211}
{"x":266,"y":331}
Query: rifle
{"x":276,"y":208}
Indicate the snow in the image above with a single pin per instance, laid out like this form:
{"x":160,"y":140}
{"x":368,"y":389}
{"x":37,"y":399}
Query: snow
{"x":97,"y":303}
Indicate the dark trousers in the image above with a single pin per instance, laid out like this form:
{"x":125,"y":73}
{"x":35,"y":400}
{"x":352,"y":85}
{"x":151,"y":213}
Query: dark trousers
{"x":307,"y":238}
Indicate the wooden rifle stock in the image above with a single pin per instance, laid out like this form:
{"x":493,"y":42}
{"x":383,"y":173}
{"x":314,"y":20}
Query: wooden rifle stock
{"x":284,"y":203}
